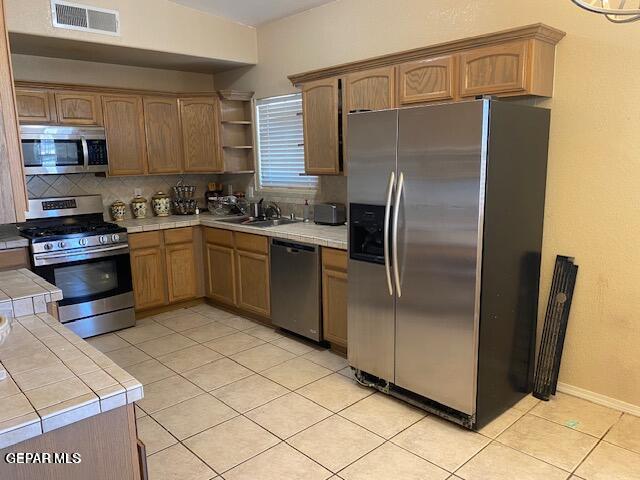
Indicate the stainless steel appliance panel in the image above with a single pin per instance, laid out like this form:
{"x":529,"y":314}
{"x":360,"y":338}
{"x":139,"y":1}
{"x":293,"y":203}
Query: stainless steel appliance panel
{"x":74,"y":311}
{"x":295,"y":288}
{"x":371,"y":302}
{"x":99,"y":324}
{"x":441,"y":156}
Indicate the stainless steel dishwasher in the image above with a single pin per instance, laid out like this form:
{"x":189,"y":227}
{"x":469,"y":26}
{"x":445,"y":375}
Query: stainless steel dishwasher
{"x":295,"y":288}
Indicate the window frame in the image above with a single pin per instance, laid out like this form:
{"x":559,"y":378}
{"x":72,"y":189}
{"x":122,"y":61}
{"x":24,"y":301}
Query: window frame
{"x":292,"y":191}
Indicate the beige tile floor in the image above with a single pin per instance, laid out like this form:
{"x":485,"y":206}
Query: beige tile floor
{"x":226,"y":398}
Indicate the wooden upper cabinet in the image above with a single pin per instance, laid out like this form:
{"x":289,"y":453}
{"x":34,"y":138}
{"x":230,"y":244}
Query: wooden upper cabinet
{"x":124,"y":129}
{"x":200,"y":134}
{"x":370,"y":90}
{"x":163,"y":135}
{"x":495,"y":69}
{"x":320,"y":115}
{"x":34,"y":106}
{"x":78,"y":108}
{"x":428,"y":80}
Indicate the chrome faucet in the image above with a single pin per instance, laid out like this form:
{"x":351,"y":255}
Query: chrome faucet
{"x":272,"y":206}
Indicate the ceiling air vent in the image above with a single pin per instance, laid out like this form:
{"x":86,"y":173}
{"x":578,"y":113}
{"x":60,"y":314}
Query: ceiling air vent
{"x":74,"y":16}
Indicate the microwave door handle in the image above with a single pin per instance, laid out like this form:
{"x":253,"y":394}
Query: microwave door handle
{"x":387,"y":219}
{"x":396,"y":211}
{"x":85,"y":152}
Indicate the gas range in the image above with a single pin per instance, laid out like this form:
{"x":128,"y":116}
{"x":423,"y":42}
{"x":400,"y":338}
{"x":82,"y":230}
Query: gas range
{"x":81,"y":233}
{"x":87,"y":258}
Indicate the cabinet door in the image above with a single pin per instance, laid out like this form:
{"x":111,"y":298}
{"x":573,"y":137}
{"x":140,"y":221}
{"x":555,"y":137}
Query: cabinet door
{"x":334,"y":296}
{"x":164,"y":138}
{"x":76,"y":108}
{"x":370,"y":90}
{"x":493,"y":69}
{"x":253,"y":282}
{"x":148,"y":274}
{"x":320,"y":102}
{"x":200,"y":135}
{"x":181,"y":272}
{"x":426,"y":80}
{"x":124,"y":128}
{"x":221,"y":266}
{"x":33,"y":106}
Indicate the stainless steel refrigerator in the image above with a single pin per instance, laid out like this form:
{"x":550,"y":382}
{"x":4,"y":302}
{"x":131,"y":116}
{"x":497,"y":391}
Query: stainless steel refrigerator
{"x":446,"y":207}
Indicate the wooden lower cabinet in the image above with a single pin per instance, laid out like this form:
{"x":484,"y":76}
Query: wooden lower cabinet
{"x":107,"y":443}
{"x":148,"y":274}
{"x":181,"y":272}
{"x":253,"y":282}
{"x":221,"y":273}
{"x":163,"y":267}
{"x":334,"y":296}
{"x":238,"y":270}
{"x":13,"y":258}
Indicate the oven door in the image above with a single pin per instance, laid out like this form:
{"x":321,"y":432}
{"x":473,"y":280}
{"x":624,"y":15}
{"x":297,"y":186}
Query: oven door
{"x":93,"y":283}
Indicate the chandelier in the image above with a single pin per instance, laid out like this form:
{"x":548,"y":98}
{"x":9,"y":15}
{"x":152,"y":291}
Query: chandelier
{"x":616,"y":11}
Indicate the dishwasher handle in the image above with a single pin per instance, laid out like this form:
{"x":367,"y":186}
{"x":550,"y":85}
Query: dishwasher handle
{"x":293,"y":247}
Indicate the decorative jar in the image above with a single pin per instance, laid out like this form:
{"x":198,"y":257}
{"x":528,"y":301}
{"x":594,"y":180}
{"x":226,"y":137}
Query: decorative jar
{"x":161,"y":203}
{"x":139,"y":206}
{"x":118,"y":210}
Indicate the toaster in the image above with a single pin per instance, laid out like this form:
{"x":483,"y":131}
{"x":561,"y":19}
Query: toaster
{"x":329,"y":214}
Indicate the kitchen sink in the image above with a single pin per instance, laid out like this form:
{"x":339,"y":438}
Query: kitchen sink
{"x":274,"y":222}
{"x":260,"y":223}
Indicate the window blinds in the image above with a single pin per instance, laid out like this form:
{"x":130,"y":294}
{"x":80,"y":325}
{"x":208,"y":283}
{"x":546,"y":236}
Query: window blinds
{"x":280,"y":149}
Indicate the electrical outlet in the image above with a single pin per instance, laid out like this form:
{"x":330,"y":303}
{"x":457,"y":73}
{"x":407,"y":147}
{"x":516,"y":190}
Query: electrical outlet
{"x":137,"y":191}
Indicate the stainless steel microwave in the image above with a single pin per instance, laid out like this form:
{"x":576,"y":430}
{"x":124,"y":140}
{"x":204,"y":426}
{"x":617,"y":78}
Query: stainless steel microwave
{"x":55,"y":149}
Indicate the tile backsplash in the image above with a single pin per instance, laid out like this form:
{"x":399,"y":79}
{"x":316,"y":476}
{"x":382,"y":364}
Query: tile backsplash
{"x":112,"y":188}
{"x":331,"y":189}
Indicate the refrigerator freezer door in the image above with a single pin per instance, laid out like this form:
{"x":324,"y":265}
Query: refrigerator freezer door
{"x":442,"y":156}
{"x":371,"y":322}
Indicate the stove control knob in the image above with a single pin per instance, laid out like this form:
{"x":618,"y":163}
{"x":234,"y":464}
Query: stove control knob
{"x":48,"y":246}
{"x":115,"y":238}
{"x":83,"y":242}
{"x":62,"y":244}
{"x":103,"y":239}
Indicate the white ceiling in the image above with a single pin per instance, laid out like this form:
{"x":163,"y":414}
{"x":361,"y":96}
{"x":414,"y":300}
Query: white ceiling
{"x":252,"y":12}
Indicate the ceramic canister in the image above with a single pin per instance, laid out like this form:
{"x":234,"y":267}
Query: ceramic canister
{"x":139,"y":206}
{"x":161,"y":203}
{"x":118,"y":210}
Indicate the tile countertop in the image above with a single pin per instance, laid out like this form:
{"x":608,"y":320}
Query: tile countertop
{"x":10,"y":238}
{"x":54,"y":377}
{"x":323,"y":235}
{"x":22,"y":292}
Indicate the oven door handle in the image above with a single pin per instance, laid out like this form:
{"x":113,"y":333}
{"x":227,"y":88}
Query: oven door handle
{"x":66,"y":257}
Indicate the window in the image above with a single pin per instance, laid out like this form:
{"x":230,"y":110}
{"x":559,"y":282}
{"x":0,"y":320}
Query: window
{"x":280,"y":149}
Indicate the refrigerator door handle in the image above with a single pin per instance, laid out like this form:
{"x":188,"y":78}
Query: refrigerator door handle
{"x":387,"y":215}
{"x":396,"y":211}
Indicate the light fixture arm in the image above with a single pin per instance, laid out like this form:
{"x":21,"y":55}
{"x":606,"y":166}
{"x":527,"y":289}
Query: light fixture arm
{"x":615,"y":15}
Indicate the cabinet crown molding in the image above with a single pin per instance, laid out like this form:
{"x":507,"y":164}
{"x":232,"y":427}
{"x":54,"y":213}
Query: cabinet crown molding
{"x":537,"y":31}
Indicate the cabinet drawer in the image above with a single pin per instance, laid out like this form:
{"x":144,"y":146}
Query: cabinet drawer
{"x":178,"y":235}
{"x":218,"y":236}
{"x":252,"y":243}
{"x":144,"y":240}
{"x":335,"y":259}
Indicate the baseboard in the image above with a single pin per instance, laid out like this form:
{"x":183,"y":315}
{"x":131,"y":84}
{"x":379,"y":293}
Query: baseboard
{"x":599,"y":399}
